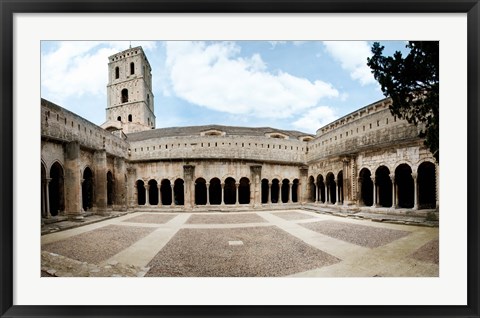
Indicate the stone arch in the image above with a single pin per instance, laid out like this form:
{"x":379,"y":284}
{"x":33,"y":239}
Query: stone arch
{"x":56,"y":189}
{"x":244,"y":191}
{"x":141,"y":198}
{"x":275,"y":190}
{"x":179,"y":192}
{"x":405,"y":186}
{"x":153,"y":192}
{"x":166,"y":192}
{"x":383,"y":185}
{"x":200,"y":191}
{"x":295,"y":187}
{"x":87,"y":189}
{"x":285,"y":190}
{"x":365,"y":187}
{"x":312,"y":189}
{"x":331,"y":188}
{"x":426,"y":185}
{"x":110,"y":188}
{"x":229,"y":191}
{"x":321,"y":188}
{"x":265,"y":191}
{"x":215,"y":191}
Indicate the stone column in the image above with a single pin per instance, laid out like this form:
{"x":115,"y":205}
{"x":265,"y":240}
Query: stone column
{"x":290,"y":191}
{"x":392,"y":178}
{"x":360,"y":194}
{"x":329,"y":191}
{"x":236,"y":192}
{"x":437,"y":186}
{"x":223,"y":193}
{"x":317,"y":192}
{"x":135,"y":196}
{"x":374,"y":192}
{"x":147,"y":194}
{"x":47,"y":198}
{"x":188,"y":187}
{"x":100,"y":160}
{"x":173,"y":194}
{"x":132,"y":193}
{"x":120,"y":198}
{"x":208,"y":193}
{"x":256,"y":190}
{"x":159,"y":188}
{"x":72,"y":180}
{"x":337,"y":191}
{"x":396,"y":196}
{"x":415,"y":191}
{"x":302,"y":193}
{"x":269,"y":199}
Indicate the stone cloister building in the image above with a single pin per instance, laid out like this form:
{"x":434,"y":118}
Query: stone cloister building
{"x":367,"y":159}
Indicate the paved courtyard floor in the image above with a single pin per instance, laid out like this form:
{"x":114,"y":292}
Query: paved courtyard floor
{"x":244,"y":244}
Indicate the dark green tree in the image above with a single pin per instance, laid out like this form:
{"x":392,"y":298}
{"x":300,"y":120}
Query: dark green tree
{"x":412,"y":84}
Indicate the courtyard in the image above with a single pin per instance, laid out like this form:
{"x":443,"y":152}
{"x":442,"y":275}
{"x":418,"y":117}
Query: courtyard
{"x":275,"y":243}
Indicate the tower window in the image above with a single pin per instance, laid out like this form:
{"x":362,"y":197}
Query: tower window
{"x":124,"y":95}
{"x":119,"y":118}
{"x":130,"y":118}
{"x":132,"y":68}
{"x":117,"y":72}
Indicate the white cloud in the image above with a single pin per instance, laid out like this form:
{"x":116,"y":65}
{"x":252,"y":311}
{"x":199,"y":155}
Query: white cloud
{"x":352,"y":56}
{"x":215,"y":76}
{"x":315,"y":118}
{"x":78,"y":68}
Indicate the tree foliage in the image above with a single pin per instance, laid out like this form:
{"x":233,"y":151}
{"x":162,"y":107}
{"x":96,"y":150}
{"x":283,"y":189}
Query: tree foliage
{"x":412,"y":84}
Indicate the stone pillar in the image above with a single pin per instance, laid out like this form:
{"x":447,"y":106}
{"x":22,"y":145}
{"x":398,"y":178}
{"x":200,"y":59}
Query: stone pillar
{"x":392,"y":178}
{"x":159,"y":188}
{"x":72,"y":180}
{"x":256,"y":192}
{"x":208,"y":192}
{"x":374,"y":192}
{"x":188,"y":187}
{"x":360,"y":194}
{"x":47,"y":197}
{"x":337,"y":191}
{"x":132,"y":192}
{"x":120,"y":199}
{"x":236,"y":192}
{"x":269,"y":199}
{"x":396,"y":197}
{"x":100,"y":188}
{"x":302,"y":193}
{"x":147,"y":194}
{"x":223,"y":193}
{"x":329,"y":191}
{"x":173,"y":194}
{"x":415,"y":191}
{"x":437,"y":186}
{"x":347,"y":190}
{"x":317,"y":192}
{"x":290,"y":191}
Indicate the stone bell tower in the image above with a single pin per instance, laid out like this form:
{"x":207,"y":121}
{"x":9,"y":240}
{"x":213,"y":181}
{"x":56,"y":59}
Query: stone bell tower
{"x":129,"y":92}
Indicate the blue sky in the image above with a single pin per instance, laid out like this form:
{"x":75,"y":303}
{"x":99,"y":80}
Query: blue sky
{"x":293,"y":85}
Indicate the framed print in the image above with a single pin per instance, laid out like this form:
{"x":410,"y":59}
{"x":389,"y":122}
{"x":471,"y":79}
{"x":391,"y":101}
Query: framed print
{"x":239,"y":158}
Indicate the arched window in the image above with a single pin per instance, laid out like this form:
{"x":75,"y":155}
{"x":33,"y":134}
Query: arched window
{"x":132,"y":68}
{"x":124,"y":95}
{"x":130,"y":118}
{"x":117,"y":72}
{"x":119,"y":118}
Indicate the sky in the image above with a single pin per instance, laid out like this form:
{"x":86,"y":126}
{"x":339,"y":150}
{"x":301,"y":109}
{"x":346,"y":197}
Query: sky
{"x":290,"y":85}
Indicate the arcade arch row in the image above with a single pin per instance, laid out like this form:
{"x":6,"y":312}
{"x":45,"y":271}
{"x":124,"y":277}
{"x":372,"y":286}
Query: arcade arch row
{"x":401,"y":188}
{"x":214,"y":191}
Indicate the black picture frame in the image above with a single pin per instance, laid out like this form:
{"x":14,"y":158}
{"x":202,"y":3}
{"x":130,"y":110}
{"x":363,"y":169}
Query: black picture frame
{"x":10,"y":7}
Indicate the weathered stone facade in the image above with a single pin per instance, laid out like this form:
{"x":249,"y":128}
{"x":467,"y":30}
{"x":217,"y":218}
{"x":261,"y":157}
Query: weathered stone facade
{"x":365,"y":160}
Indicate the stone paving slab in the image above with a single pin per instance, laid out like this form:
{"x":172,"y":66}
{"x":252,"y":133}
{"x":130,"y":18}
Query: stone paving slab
{"x":155,"y":218}
{"x":265,"y":251}
{"x":99,"y":244}
{"x":224,"y":218}
{"x":294,"y":215}
{"x":362,"y":235}
{"x":428,"y":253}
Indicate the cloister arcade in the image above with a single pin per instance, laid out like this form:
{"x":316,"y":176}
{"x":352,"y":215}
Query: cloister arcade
{"x":381,"y":187}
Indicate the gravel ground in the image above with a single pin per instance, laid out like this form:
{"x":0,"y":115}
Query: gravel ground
{"x":428,"y":252}
{"x":367,"y":236}
{"x":98,"y":245}
{"x":151,"y":218}
{"x":289,"y":216}
{"x":266,"y":251}
{"x":225,"y":218}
